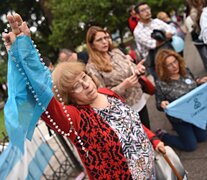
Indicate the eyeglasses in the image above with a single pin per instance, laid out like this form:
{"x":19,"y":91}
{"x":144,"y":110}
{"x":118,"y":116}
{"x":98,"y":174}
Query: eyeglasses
{"x":170,"y":65}
{"x":145,"y":9}
{"x":106,"y":38}
{"x":79,"y":86}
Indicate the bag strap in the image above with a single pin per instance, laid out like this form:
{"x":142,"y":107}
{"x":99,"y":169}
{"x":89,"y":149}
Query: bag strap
{"x":170,"y":164}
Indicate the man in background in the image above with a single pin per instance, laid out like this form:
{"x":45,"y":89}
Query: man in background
{"x":148,"y":44}
{"x":68,"y":55}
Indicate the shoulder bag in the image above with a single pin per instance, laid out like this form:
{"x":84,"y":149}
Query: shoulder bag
{"x":168,"y":166}
{"x":146,"y":85}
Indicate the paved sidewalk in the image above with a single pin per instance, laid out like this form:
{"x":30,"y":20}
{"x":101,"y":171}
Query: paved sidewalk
{"x":194,"y":162}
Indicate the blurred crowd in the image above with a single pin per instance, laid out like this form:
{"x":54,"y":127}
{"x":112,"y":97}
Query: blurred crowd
{"x":159,"y":44}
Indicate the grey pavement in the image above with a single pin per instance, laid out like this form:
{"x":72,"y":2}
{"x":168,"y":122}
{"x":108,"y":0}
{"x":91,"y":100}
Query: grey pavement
{"x":194,"y":162}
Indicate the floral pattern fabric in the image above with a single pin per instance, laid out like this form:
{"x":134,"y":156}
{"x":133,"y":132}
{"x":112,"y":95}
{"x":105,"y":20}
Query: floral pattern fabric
{"x":136,"y":146}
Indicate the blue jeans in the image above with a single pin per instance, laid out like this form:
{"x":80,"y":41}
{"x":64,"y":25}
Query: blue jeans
{"x":188,"y":136}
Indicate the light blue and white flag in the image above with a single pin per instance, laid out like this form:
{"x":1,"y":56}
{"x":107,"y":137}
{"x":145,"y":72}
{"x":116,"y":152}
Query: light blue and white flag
{"x":192,"y":107}
{"x":28,"y":164}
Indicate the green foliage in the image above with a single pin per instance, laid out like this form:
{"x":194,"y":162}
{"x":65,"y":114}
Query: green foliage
{"x":166,"y":5}
{"x":64,"y":23}
{"x":35,"y":14}
{"x":2,"y":125}
{"x":113,"y":15}
{"x":69,"y":14}
{"x":3,"y":71}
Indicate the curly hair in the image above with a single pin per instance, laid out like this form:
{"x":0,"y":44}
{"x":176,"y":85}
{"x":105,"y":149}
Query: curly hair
{"x":160,"y":64}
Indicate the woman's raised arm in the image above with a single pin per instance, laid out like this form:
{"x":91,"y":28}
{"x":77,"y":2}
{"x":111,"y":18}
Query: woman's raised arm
{"x":29,"y":82}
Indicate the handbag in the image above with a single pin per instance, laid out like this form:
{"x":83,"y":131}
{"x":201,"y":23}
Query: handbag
{"x":146,"y":85}
{"x":168,"y":166}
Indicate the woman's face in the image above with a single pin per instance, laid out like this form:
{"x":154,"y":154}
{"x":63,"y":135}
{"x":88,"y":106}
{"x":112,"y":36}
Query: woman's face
{"x":172,"y":65}
{"x":101,"y":42}
{"x":84,"y":90}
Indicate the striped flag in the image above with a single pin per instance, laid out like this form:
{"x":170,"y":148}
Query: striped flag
{"x":29,"y":164}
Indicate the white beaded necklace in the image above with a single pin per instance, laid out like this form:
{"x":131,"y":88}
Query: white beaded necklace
{"x":66,"y":134}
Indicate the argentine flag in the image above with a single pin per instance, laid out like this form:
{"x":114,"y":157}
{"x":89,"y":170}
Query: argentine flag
{"x":28,"y":164}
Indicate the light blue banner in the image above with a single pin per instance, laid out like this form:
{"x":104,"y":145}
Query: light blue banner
{"x":192,"y":107}
{"x":29,"y":165}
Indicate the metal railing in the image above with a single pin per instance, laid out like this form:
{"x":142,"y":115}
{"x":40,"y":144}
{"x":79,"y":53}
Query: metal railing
{"x":64,"y":163}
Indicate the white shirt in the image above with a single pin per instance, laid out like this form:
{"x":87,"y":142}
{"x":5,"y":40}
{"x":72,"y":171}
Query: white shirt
{"x":142,"y":35}
{"x":189,"y":24}
{"x":203,"y":25}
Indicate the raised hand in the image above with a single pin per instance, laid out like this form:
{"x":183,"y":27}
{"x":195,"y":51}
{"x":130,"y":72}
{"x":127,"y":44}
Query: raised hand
{"x":140,"y":68}
{"x":15,"y":22}
{"x":18,"y":27}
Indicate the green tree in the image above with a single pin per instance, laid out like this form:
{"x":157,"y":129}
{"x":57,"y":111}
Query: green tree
{"x":3,"y":68}
{"x":63,"y":23}
{"x":36,"y":15}
{"x":71,"y":19}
